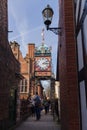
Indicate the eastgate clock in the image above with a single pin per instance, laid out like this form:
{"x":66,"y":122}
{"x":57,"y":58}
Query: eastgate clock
{"x":42,"y":63}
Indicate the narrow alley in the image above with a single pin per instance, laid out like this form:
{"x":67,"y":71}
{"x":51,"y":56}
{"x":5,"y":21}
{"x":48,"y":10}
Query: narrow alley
{"x":43,"y":64}
{"x":46,"y":122}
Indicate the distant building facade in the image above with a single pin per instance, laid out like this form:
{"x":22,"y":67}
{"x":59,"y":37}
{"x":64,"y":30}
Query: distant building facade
{"x":26,"y":70}
{"x":27,"y":65}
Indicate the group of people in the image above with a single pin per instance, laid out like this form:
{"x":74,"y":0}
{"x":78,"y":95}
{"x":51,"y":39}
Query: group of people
{"x":37,"y":104}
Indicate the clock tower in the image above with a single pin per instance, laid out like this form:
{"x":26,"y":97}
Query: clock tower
{"x":41,"y":67}
{"x":42,"y":63}
{"x":42,"y":60}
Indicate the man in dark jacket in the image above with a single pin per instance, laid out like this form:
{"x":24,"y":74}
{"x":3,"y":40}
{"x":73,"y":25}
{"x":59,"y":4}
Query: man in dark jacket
{"x":37,"y":106}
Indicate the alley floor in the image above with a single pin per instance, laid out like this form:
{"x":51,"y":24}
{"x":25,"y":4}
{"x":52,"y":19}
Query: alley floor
{"x":45,"y":123}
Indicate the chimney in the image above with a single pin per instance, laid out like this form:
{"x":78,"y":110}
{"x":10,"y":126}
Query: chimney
{"x":31,"y":48}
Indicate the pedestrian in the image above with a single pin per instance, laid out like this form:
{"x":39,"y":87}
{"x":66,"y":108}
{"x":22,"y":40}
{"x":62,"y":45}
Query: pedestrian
{"x":46,"y":105}
{"x":32,"y":107}
{"x":37,"y":106}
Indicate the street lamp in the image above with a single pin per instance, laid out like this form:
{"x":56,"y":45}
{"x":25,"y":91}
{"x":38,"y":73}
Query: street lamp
{"x":47,"y":17}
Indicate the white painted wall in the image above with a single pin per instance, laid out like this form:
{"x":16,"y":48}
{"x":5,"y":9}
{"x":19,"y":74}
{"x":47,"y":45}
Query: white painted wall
{"x":83,"y":106}
{"x":80,"y":51}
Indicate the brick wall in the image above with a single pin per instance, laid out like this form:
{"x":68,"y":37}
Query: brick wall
{"x":3,"y":22}
{"x":8,"y":67}
{"x":68,"y":68}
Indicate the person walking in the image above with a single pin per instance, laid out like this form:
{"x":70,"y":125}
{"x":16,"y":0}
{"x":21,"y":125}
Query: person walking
{"x":37,"y":106}
{"x":46,"y":105}
{"x":32,"y":107}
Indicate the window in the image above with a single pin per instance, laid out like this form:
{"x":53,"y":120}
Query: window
{"x":23,"y":85}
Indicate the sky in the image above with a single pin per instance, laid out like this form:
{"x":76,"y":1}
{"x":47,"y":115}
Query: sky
{"x":26,"y":21}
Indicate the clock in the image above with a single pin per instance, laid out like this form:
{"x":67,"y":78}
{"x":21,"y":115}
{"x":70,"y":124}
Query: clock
{"x":42,"y":63}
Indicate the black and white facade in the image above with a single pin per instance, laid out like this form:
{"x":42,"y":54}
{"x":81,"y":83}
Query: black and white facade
{"x":81,"y":37}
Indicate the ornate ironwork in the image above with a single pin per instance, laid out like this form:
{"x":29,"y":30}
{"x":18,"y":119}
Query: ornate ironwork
{"x":57,"y":31}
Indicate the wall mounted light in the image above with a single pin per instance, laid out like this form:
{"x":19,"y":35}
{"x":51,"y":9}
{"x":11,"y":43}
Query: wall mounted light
{"x":47,"y":17}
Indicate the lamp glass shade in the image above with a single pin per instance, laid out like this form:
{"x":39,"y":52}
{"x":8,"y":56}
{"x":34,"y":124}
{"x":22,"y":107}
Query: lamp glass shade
{"x":47,"y":15}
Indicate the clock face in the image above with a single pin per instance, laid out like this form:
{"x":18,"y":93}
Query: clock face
{"x":42,"y":63}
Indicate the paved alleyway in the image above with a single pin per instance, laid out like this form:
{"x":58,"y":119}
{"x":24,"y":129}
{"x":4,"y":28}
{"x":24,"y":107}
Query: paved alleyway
{"x":45,"y":123}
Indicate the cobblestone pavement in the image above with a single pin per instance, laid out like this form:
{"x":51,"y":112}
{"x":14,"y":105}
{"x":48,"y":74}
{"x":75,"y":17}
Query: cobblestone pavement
{"x":45,"y":123}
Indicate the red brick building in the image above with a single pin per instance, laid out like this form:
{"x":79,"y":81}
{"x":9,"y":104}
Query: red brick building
{"x":68,"y":73}
{"x":9,"y":74}
{"x":24,"y":65}
{"x":27,"y":84}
